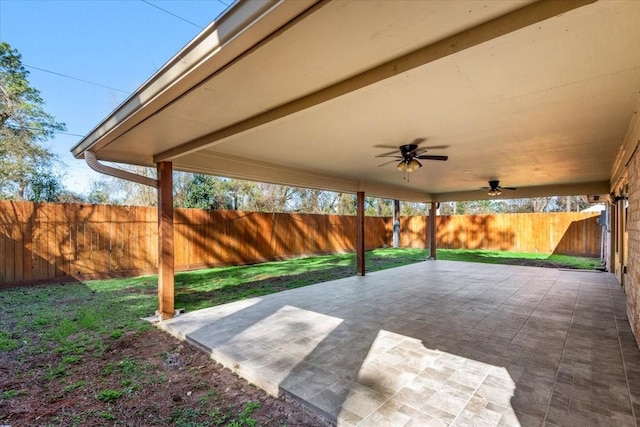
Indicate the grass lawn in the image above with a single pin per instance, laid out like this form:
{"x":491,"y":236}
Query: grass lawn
{"x":206,"y":288}
{"x":518,"y":258}
{"x":78,"y":354}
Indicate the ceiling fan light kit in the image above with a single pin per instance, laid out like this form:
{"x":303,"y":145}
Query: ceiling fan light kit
{"x":409,"y":154}
{"x":409,"y":165}
{"x":495,"y":189}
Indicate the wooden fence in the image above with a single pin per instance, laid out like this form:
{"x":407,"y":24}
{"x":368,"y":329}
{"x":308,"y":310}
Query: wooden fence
{"x":42,"y":242}
{"x":560,"y":233}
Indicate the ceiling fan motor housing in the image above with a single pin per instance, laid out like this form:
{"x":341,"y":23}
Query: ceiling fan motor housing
{"x":407,"y":151}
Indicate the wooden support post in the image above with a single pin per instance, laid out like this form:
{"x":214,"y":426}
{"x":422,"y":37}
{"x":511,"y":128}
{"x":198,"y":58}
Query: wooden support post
{"x":432,"y":231}
{"x":360,"y":233}
{"x":165,"y":241}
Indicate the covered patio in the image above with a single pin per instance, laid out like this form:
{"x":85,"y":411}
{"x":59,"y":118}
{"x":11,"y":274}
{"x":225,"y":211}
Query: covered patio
{"x":539,"y":95}
{"x":336,"y":95}
{"x":437,"y":343}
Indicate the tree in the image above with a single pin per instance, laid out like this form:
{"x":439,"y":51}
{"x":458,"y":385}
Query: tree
{"x":211,"y":192}
{"x":99,"y":194}
{"x":201,"y":193}
{"x":572,"y":203}
{"x":414,"y":208}
{"x":311,"y":201}
{"x":122,"y":191}
{"x":537,"y":204}
{"x":263,"y":197}
{"x":317,"y":201}
{"x":24,"y":126}
{"x":374,"y":206}
{"x":67,"y":196}
{"x":346,"y":204}
{"x":44,"y":187}
{"x":181,"y":182}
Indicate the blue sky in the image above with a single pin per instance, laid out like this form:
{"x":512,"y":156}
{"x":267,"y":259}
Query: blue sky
{"x":115,"y":43}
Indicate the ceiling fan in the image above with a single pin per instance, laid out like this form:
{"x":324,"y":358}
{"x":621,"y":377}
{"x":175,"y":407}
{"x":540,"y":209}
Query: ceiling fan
{"x":495,"y":189}
{"x":410,"y":155}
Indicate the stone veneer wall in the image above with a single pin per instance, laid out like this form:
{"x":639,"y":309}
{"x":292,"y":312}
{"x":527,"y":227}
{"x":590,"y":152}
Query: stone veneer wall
{"x":632,"y":288}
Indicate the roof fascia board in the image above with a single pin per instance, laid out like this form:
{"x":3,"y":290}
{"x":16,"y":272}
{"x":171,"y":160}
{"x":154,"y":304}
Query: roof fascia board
{"x":508,"y":23}
{"x":239,"y":29}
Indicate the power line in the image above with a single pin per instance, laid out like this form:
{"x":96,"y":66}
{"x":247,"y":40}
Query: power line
{"x":36,"y":129}
{"x":69,"y":133}
{"x":75,"y":78}
{"x":109,"y":87}
{"x":173,"y":14}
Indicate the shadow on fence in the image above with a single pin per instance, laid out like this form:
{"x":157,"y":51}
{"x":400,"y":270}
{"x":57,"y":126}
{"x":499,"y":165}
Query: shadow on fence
{"x":215,"y":238}
{"x":474,"y":232}
{"x":579,"y":239}
{"x":45,"y":242}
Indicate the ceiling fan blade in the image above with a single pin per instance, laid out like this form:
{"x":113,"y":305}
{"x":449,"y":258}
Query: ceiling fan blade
{"x":485,"y":188}
{"x":432,"y":157}
{"x":386,"y":163}
{"x":393,"y":153}
{"x":416,"y":141}
{"x":508,"y":188}
{"x":394,"y":147}
{"x":431,"y":147}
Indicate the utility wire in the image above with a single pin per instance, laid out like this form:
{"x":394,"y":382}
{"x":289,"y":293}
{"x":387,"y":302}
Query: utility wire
{"x":109,"y":87}
{"x":75,"y":78}
{"x":69,"y":133}
{"x":32,"y":128}
{"x":173,"y":14}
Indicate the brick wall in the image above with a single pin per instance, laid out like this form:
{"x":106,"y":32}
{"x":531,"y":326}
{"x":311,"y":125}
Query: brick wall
{"x":632,"y":287}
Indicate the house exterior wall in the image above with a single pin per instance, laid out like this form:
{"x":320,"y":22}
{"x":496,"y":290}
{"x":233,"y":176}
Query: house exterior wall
{"x":632,"y":278}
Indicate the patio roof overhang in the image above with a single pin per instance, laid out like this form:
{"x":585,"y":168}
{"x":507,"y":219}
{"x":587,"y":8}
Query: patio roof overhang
{"x":540,"y":95}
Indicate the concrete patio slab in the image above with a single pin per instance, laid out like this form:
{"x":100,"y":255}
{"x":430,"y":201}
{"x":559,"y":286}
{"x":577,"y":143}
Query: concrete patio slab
{"x":437,"y":343}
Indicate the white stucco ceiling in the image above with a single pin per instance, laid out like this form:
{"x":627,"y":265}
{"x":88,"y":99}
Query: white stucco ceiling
{"x":304,"y":93}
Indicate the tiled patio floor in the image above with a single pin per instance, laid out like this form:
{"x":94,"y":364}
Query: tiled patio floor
{"x":438,"y":343}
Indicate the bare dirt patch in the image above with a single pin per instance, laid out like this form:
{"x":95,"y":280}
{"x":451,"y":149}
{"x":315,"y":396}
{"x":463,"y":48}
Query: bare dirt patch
{"x":537,"y":263}
{"x":141,"y":379}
